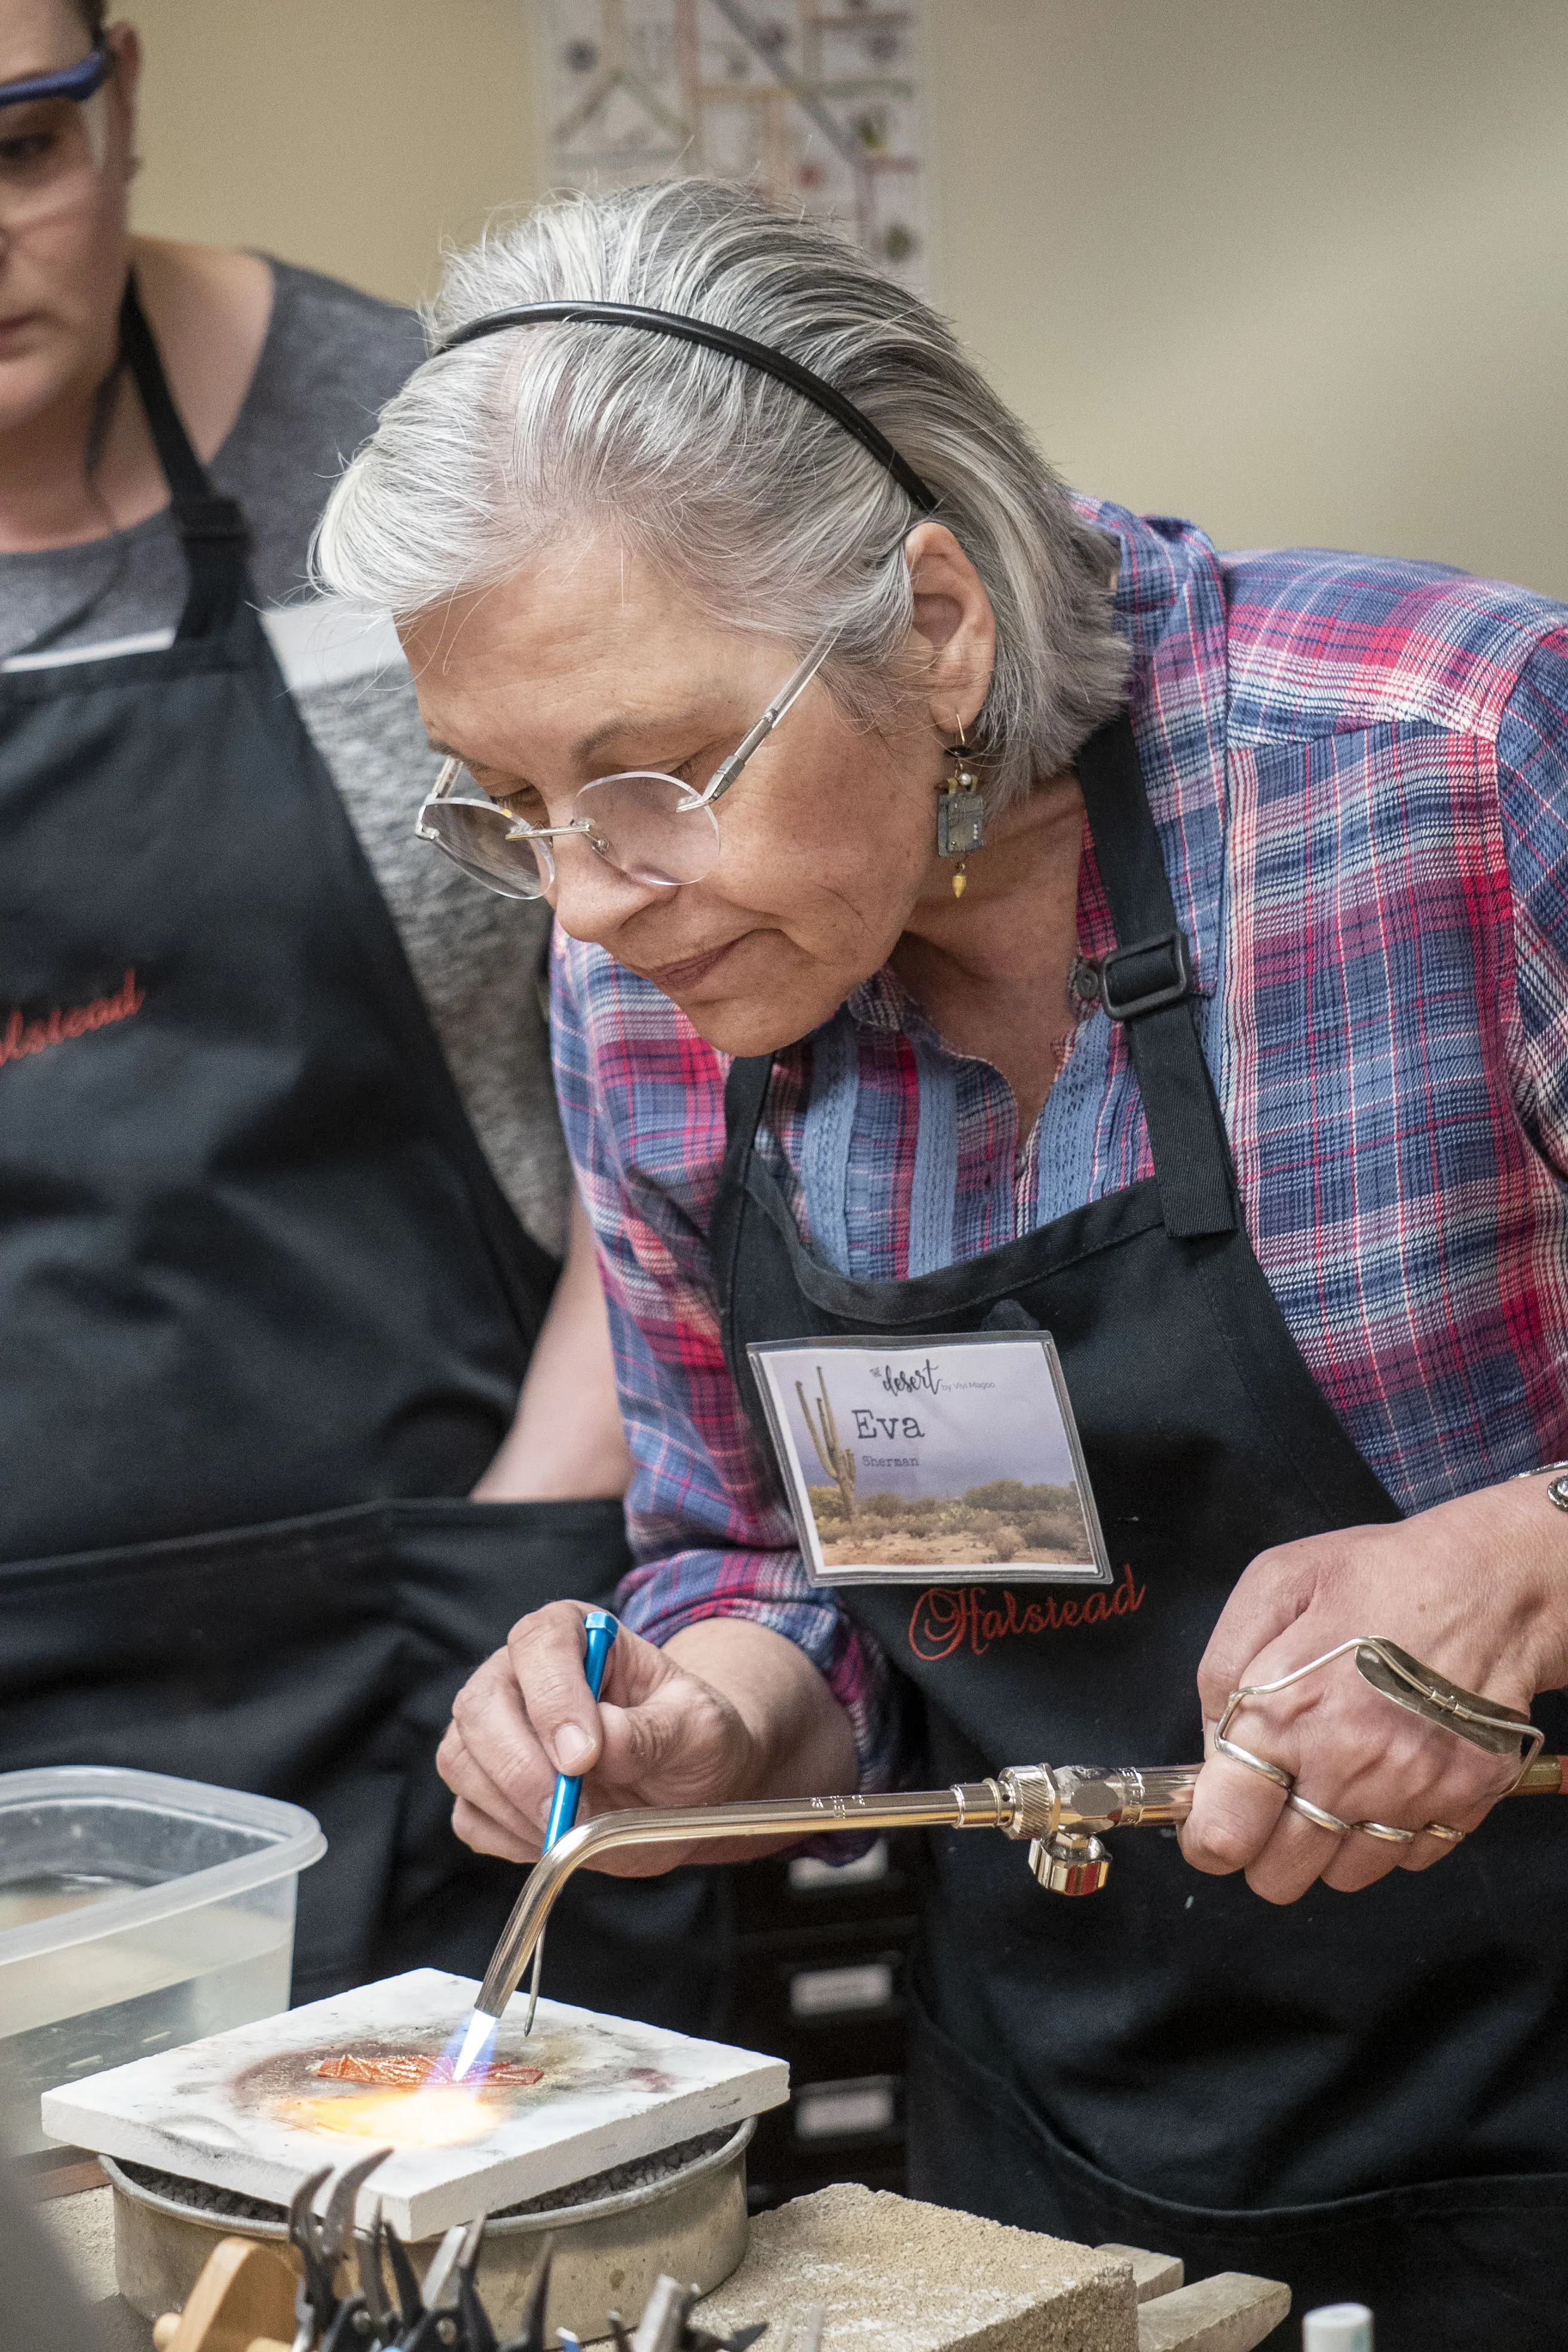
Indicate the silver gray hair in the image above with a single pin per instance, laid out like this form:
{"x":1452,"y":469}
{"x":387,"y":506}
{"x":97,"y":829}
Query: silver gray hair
{"x":755,"y":503}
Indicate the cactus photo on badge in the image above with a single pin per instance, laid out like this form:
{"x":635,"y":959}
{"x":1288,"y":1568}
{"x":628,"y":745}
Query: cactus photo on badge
{"x":932,"y":1461}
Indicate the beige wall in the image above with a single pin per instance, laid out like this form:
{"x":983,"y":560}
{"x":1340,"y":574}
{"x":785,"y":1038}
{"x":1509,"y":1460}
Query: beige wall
{"x":1296,"y":268}
{"x":351,"y":135}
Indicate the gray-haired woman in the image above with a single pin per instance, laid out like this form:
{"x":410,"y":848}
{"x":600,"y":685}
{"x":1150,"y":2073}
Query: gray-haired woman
{"x":766,"y":645}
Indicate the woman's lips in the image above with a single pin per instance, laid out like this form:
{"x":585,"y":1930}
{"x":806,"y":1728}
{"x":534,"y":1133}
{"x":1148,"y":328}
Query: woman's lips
{"x":673,"y":978}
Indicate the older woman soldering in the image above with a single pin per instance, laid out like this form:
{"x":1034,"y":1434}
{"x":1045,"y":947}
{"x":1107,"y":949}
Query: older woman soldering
{"x":986,"y":911}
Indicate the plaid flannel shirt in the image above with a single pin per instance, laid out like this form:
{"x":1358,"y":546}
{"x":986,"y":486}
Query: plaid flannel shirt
{"x":1359,"y":771}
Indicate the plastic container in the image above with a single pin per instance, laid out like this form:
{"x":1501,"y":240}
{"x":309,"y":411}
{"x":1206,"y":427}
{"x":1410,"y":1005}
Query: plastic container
{"x":137,"y":1912}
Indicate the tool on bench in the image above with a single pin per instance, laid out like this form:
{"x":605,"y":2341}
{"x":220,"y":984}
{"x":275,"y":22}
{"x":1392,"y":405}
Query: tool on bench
{"x":1063,"y":1810}
{"x":665,"y":2324}
{"x":320,"y":2314}
{"x":248,"y":2294}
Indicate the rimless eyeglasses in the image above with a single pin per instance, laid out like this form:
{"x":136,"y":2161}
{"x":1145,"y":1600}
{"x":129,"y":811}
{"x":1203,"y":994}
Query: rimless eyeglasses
{"x":648,"y":825}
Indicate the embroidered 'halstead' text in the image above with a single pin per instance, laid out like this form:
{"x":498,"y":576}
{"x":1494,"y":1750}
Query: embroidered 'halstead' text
{"x":947,"y":1617}
{"x":20,"y":1038}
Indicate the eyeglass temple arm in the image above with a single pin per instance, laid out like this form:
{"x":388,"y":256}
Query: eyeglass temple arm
{"x":79,"y":81}
{"x":793,"y":687}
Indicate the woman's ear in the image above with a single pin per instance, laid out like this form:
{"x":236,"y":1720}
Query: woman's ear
{"x":124,"y":44}
{"x":954,"y":628}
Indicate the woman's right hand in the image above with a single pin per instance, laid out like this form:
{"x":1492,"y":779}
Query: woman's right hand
{"x":727,"y":1710}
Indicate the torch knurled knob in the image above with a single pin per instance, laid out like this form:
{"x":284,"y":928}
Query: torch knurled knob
{"x":1031,"y":1790}
{"x":1069,"y":1864}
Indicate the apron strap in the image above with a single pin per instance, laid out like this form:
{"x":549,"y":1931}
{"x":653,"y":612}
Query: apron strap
{"x":746,"y":1091}
{"x":212,"y":529}
{"x":1150,"y":987}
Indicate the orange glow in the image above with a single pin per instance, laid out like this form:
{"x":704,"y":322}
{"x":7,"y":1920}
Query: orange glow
{"x":439,"y":2114}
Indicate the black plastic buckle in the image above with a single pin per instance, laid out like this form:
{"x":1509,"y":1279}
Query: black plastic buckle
{"x":1150,"y":1000}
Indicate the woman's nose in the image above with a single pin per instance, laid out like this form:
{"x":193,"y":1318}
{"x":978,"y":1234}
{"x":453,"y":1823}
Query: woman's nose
{"x":593,"y":898}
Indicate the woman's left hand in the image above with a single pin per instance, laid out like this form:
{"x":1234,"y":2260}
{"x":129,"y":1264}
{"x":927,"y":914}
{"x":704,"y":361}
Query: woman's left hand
{"x":1476,"y":1588}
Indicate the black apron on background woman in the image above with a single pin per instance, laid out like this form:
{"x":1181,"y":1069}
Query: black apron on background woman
{"x":264,"y":1309}
{"x":1172,"y":2062}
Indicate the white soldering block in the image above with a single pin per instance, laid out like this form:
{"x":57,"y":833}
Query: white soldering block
{"x":247,"y":2110}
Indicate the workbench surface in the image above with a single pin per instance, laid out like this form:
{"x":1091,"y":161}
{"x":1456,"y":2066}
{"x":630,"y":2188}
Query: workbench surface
{"x":83,"y":2228}
{"x":1222,"y":2315}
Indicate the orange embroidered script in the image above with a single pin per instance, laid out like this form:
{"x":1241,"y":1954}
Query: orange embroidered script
{"x":20,"y":1038}
{"x":407,"y":2070}
{"x":951,"y":1617}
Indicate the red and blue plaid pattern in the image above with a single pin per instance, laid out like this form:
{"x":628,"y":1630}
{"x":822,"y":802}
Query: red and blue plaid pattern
{"x":1359,"y":769}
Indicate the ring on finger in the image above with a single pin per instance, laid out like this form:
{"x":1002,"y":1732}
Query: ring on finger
{"x":1318,"y":1815}
{"x":1383,"y":1830}
{"x":1275,"y":1772}
{"x":1440,"y":1830}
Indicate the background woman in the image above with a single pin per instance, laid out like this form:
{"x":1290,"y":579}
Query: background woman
{"x":282,"y":1188}
{"x":1288,"y":1191}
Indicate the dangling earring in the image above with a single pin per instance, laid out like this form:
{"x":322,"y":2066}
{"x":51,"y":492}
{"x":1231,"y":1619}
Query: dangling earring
{"x":960,"y":813}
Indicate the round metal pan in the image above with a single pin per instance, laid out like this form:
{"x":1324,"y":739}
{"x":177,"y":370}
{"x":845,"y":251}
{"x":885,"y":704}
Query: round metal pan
{"x":608,"y":2251}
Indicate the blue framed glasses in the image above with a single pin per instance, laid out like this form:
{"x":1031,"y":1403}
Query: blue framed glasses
{"x":53,"y":139}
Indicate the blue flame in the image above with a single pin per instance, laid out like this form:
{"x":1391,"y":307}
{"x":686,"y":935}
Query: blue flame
{"x":472,"y":2046}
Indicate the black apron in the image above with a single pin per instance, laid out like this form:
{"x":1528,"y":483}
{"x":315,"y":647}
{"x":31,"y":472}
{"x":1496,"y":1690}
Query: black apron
{"x":1364,"y":2095}
{"x":264,"y":1309}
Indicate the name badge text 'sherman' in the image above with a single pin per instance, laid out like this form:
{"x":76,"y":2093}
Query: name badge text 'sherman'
{"x":932,"y":1461}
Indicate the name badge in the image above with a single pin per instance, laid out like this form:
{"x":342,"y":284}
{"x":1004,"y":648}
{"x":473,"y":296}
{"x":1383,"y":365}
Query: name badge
{"x":919,"y":1461}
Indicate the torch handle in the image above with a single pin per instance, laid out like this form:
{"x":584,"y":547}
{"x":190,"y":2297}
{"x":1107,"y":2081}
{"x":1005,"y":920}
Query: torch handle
{"x":1087,"y":1797}
{"x":1028,"y":1801}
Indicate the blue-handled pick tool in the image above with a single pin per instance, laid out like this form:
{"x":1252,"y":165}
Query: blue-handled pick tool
{"x":600,"y":1629}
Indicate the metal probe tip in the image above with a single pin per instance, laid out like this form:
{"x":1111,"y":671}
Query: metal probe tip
{"x":533,"y":1985}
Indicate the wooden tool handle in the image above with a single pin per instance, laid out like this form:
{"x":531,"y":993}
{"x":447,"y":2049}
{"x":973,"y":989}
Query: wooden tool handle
{"x":243,"y":2302}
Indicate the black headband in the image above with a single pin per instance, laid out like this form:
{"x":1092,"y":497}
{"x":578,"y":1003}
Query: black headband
{"x":760,"y":356}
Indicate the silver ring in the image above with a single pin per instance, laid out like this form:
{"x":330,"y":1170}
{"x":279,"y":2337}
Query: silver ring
{"x":1382,"y":1830}
{"x":1318,"y":1814}
{"x":1440,"y":1830}
{"x":1275,"y":1772}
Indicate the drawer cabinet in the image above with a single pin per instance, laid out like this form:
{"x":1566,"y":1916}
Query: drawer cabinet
{"x":821,"y":1962}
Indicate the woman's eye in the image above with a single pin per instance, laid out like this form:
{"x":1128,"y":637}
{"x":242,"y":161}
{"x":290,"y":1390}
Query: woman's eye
{"x":527,"y":804}
{"x":25,"y":150}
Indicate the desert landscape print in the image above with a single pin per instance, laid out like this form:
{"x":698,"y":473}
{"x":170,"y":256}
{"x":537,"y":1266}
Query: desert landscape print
{"x":1002,"y":1521}
{"x":859,"y":1523}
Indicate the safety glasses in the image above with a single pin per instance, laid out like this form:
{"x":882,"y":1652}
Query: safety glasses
{"x":53,"y":139}
{"x":650,"y":826}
